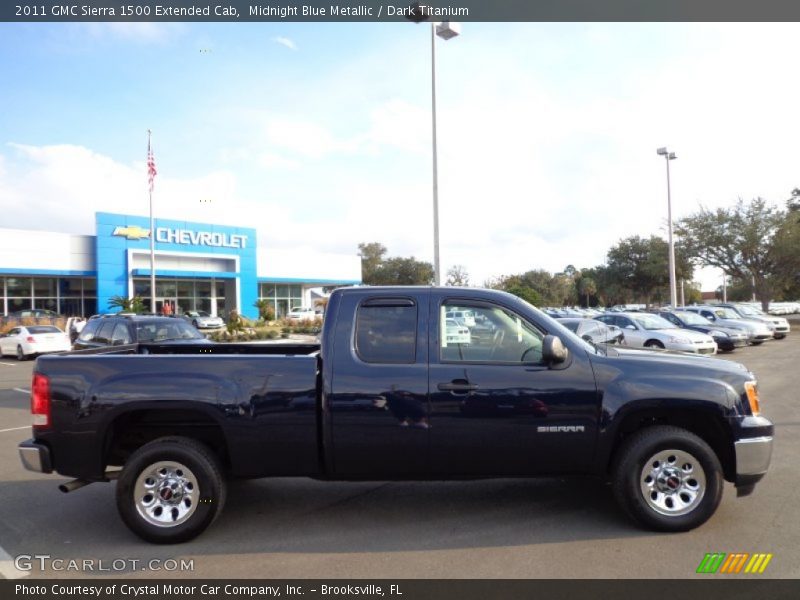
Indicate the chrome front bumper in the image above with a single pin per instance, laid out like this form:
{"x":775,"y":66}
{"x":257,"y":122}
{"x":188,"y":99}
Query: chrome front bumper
{"x":753,"y":455}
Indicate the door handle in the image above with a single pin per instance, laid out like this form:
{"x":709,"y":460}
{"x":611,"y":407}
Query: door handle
{"x":457,"y":386}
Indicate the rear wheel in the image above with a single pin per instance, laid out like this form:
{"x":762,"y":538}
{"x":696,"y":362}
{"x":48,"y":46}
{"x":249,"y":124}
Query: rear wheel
{"x":667,"y":479}
{"x":20,"y":353}
{"x":170,"y":490}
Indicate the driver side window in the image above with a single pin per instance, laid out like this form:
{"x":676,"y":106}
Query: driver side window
{"x":487,"y":333}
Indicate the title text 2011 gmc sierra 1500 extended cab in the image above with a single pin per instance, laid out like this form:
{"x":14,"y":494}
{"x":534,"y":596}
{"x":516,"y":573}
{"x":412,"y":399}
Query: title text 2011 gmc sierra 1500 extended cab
{"x":386,"y":395}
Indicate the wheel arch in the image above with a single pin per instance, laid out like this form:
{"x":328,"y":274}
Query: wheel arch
{"x":703,"y":422}
{"x":132,"y":429}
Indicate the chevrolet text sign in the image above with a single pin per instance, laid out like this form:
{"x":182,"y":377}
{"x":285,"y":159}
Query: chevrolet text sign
{"x":200,"y":238}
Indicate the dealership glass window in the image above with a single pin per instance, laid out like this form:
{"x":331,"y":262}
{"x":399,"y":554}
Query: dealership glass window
{"x":15,"y":304}
{"x":185,"y":289}
{"x":166,"y":289}
{"x":47,"y":303}
{"x":44,"y":287}
{"x":70,"y":288}
{"x":19,"y":287}
{"x":141,"y":288}
{"x":71,"y":307}
{"x":283,"y":297}
{"x":90,"y":287}
{"x":203,"y":289}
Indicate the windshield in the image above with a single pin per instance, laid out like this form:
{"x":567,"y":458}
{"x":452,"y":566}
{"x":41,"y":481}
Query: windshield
{"x":160,"y":331}
{"x":651,"y":322}
{"x":692,"y":318}
{"x":749,"y":311}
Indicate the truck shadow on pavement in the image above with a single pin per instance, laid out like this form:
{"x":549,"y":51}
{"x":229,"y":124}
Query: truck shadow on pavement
{"x":296,"y":515}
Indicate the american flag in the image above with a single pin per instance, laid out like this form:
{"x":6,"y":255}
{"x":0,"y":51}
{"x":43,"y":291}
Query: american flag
{"x":151,"y":165}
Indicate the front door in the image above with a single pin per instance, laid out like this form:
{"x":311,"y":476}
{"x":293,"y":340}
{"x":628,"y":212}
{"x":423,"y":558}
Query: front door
{"x":496,"y":408}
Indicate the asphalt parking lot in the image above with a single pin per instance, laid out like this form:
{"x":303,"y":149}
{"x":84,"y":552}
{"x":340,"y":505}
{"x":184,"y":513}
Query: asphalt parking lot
{"x":299,"y":528}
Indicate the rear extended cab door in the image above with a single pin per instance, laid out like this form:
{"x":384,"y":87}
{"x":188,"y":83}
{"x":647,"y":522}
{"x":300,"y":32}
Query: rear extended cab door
{"x":375,"y":395}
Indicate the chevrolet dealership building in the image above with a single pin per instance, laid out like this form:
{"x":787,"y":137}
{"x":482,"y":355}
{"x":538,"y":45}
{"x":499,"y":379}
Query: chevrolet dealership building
{"x":199,"y":266}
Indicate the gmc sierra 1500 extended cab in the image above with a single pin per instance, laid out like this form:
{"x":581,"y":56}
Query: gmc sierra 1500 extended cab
{"x":388,"y":394}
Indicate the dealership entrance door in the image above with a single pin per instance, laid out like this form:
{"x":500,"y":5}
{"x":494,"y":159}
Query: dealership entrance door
{"x":214,"y":296}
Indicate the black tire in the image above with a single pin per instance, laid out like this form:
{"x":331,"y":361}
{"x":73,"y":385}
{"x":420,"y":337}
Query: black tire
{"x":194,"y":324}
{"x":20,"y":353}
{"x":653,"y":344}
{"x":675,"y":506}
{"x":199,"y":478}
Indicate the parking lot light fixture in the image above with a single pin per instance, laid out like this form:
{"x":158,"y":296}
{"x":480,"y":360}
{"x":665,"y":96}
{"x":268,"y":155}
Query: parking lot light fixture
{"x":446,"y":30}
{"x":673,"y":288}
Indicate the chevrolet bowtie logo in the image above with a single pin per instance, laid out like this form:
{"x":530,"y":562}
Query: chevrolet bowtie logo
{"x":134,"y":232}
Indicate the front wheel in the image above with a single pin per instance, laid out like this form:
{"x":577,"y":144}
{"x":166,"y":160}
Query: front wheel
{"x":170,"y":490}
{"x":667,"y":479}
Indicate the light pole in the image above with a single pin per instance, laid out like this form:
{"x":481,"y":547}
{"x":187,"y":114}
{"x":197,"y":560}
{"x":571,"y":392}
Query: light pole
{"x":673,"y":288}
{"x":446,"y":30}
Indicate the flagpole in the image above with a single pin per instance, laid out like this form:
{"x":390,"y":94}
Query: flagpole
{"x":150,"y":169}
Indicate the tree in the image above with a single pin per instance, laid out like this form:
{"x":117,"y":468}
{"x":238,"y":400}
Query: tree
{"x":641,"y":265}
{"x":749,"y":241}
{"x":266,"y":312}
{"x":528,"y":294}
{"x":457,"y":275}
{"x":371,"y":258}
{"x":134,"y":305}
{"x":587,"y":287}
{"x":396,"y":270}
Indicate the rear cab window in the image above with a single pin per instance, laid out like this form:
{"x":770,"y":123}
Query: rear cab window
{"x":386,"y":331}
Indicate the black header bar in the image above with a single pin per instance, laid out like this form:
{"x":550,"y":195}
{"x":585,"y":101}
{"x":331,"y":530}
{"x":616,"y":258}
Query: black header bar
{"x":234,"y":11}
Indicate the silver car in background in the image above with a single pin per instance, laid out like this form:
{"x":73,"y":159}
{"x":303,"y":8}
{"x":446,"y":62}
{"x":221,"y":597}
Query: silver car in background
{"x":757,"y":332}
{"x":202,"y":320}
{"x":644,"y":330}
{"x":751,"y":313}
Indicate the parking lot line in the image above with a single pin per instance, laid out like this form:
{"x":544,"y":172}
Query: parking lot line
{"x":7,"y":568}
{"x":8,"y":364}
{"x":14,"y":429}
{"x":23,"y":390}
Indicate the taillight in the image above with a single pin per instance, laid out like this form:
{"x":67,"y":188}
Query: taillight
{"x":752,"y":397}
{"x":30,"y":339}
{"x":40,"y":400}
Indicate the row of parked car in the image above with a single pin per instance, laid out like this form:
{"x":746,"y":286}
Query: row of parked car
{"x":700,"y":329}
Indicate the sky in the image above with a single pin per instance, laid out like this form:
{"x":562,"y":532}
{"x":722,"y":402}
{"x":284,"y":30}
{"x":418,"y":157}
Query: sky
{"x":319,"y":135}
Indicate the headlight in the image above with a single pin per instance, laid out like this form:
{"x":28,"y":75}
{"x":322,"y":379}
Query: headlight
{"x":677,"y":340}
{"x":717,"y":333}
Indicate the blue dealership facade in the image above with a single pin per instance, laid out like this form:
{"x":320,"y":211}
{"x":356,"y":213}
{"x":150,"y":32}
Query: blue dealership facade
{"x":199,"y":266}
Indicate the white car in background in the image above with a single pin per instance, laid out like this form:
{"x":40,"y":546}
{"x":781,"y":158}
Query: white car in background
{"x":455,"y":333}
{"x":645,"y":330}
{"x":32,"y":340}
{"x":462,"y":317}
{"x":300,"y":313}
{"x":203,"y":320}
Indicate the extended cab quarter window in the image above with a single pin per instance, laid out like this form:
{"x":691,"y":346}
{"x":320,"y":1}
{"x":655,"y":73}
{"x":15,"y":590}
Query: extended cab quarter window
{"x":386,"y":331}
{"x":489,"y":334}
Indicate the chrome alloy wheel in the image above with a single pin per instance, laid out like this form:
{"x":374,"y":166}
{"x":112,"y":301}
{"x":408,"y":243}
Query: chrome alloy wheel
{"x":673,"y":482}
{"x":166,"y":494}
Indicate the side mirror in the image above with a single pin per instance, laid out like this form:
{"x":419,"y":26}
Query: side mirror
{"x":553,"y":350}
{"x":631,"y":327}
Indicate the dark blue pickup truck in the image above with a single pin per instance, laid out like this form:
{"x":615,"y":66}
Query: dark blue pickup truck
{"x":398,"y":389}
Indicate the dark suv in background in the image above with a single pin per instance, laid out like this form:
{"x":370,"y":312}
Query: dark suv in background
{"x":120,"y":330}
